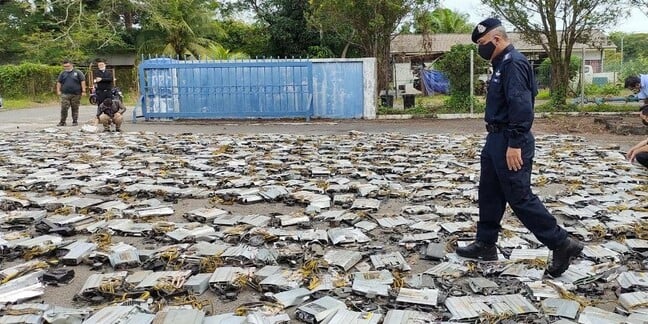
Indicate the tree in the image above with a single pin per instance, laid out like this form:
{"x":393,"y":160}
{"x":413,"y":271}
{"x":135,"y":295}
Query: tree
{"x":177,"y":27}
{"x":289,"y":32}
{"x":218,"y":52}
{"x":456,"y":66}
{"x":406,"y":28}
{"x":13,"y":25}
{"x":126,"y":11}
{"x":544,"y":77}
{"x":635,"y":67}
{"x":634,"y":45}
{"x":557,"y":25}
{"x":641,"y":5}
{"x":48,"y":31}
{"x":239,"y":36}
{"x":368,"y":24}
{"x":441,"y":20}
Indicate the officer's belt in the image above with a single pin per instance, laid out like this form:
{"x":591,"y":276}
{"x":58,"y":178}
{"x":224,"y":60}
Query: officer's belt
{"x":495,"y":128}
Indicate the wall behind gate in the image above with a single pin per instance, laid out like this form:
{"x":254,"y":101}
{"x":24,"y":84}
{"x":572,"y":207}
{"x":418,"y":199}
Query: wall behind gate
{"x":344,"y":88}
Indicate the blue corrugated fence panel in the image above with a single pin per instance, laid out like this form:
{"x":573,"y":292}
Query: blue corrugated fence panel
{"x":186,"y":89}
{"x":251,"y":89}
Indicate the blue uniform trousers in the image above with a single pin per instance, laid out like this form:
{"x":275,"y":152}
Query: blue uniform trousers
{"x":498,"y":186}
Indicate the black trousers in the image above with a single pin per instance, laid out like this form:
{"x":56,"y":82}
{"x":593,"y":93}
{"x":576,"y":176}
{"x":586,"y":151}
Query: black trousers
{"x":499,"y":186}
{"x":102,"y":95}
{"x":642,"y":158}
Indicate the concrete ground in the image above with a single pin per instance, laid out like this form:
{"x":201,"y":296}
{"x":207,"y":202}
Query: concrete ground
{"x":33,"y":119}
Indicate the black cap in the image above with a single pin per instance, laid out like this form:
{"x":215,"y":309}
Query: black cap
{"x":484,"y":27}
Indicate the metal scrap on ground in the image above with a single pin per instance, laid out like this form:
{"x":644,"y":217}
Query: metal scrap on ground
{"x":271,"y":228}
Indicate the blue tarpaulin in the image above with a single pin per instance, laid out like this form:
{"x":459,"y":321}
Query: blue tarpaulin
{"x":434,"y":82}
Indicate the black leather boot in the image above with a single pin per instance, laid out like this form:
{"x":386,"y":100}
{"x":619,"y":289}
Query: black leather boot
{"x":563,"y":255}
{"x":478,"y":250}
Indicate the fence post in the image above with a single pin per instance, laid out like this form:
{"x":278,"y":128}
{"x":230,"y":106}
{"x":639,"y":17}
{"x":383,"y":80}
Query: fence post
{"x":472,"y":81}
{"x":582,"y":104}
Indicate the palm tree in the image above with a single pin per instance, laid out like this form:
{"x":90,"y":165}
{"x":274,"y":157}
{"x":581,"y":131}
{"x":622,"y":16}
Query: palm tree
{"x":177,"y":27}
{"x":441,"y":21}
{"x":218,"y":52}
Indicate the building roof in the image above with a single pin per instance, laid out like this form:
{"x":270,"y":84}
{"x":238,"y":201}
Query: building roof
{"x":120,"y":59}
{"x":416,"y":44}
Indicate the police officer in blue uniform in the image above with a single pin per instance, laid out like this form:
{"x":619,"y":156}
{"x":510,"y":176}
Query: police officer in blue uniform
{"x":507,"y":156}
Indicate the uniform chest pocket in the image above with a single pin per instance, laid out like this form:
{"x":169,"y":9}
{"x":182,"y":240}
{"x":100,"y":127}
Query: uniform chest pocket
{"x":495,"y":89}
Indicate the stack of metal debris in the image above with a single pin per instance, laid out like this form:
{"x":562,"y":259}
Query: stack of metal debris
{"x":355,"y":228}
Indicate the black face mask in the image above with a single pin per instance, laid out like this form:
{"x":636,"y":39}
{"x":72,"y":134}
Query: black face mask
{"x":486,"y":50}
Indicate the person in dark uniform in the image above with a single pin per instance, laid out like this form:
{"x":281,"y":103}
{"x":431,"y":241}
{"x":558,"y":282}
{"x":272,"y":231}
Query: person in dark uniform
{"x":507,"y":156}
{"x":103,"y":80}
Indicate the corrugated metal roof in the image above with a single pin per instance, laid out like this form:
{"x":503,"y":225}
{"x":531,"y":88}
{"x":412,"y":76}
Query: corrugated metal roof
{"x":413,"y":44}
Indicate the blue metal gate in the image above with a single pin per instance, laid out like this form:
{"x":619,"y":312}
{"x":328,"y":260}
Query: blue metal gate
{"x":226,"y":89}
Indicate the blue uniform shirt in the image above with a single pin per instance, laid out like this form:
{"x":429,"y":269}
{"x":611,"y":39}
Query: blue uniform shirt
{"x":643,"y":89}
{"x":511,"y":93}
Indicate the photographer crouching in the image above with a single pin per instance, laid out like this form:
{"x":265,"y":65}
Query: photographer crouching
{"x":110,"y":112}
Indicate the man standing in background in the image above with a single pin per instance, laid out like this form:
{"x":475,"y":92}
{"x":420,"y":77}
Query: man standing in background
{"x":70,"y":86}
{"x":103,"y":80}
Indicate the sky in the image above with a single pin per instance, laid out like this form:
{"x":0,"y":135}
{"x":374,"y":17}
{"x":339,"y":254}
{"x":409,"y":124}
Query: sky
{"x":636,"y":23}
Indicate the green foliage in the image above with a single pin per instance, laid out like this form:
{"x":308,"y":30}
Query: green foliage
{"x":418,"y":110}
{"x":551,"y":107}
{"x":543,"y":94}
{"x":612,"y":61}
{"x":634,"y":45}
{"x":239,"y":36}
{"x":12,"y":30}
{"x":367,"y":24}
{"x":320,"y":52}
{"x":47,"y":34}
{"x":423,"y":109}
{"x":287,"y":26}
{"x":433,"y":105}
{"x":27,"y":80}
{"x":544,"y":71}
{"x":126,"y":79}
{"x":20,"y":103}
{"x":406,"y":28}
{"x":441,"y":20}
{"x":456,"y":66}
{"x":608,"y":108}
{"x":461,"y":104}
{"x":177,"y":27}
{"x":218,"y":52}
{"x":609,"y":89}
{"x":634,"y":67}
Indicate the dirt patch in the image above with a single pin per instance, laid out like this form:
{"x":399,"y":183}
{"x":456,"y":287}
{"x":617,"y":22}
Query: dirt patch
{"x":592,"y":130}
{"x":570,"y":125}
